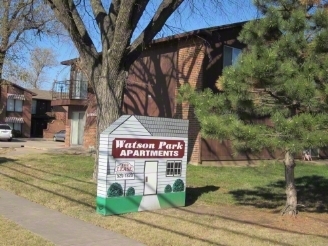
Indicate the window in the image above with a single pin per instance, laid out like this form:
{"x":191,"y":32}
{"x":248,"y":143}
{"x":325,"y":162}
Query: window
{"x":33,"y":106}
{"x":173,"y":168}
{"x":80,"y":76}
{"x":14,"y":105}
{"x":16,"y":126}
{"x":230,"y":55}
{"x":80,"y":86}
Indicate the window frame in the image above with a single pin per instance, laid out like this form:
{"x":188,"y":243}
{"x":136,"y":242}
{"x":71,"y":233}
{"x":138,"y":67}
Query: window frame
{"x":12,"y":126}
{"x":231,"y":58}
{"x":14,"y":110}
{"x":175,"y":169}
{"x":33,"y":106}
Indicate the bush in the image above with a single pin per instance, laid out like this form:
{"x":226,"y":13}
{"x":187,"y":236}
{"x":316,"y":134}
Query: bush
{"x":115,"y":190}
{"x":16,"y":133}
{"x":178,"y":185}
{"x":168,"y":189}
{"x":130,"y":192}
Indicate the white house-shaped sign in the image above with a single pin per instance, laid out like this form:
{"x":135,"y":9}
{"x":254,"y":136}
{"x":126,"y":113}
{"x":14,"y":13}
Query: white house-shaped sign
{"x":142,"y":164}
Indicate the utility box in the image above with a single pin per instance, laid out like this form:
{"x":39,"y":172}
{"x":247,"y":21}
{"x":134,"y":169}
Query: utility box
{"x":142,"y":165}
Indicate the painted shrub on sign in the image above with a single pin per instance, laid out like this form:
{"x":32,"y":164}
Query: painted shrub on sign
{"x":115,"y":190}
{"x":142,"y":164}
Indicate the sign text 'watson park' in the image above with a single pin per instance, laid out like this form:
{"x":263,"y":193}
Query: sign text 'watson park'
{"x":147,"y":148}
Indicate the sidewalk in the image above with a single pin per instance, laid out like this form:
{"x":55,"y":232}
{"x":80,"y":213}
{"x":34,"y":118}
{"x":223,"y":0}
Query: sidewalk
{"x":56,"y":227}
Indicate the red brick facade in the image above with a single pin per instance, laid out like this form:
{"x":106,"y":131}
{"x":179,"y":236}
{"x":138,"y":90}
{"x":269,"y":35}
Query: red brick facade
{"x":90,"y":132}
{"x":68,"y":136}
{"x":9,"y":88}
{"x":190,"y":70}
{"x":89,"y":109}
{"x":58,"y":123}
{"x":155,"y":77}
{"x":189,"y":67}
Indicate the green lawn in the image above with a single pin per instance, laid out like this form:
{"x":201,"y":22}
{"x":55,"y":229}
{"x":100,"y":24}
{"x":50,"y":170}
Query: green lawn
{"x":260,"y":186}
{"x":214,"y":194}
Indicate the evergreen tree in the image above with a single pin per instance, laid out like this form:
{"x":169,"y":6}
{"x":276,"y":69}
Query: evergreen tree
{"x":282,"y":74}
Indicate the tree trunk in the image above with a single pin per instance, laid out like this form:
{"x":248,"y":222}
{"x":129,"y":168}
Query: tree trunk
{"x":109,"y":93}
{"x":291,"y":193}
{"x":2,"y":60}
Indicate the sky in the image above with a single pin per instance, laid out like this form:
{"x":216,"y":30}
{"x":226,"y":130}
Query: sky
{"x":200,"y":14}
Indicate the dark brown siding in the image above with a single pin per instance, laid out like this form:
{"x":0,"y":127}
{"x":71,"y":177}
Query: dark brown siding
{"x":212,"y":149}
{"x":213,"y":62}
{"x":215,"y":150}
{"x":150,"y":88}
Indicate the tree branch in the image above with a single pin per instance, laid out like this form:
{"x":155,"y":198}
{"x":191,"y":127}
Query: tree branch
{"x":164,"y":11}
{"x":20,"y":6}
{"x":74,"y":25}
{"x":4,"y":28}
{"x":102,"y":19}
{"x":138,"y":10}
{"x":118,"y":7}
{"x":123,"y":30}
{"x":112,"y":13}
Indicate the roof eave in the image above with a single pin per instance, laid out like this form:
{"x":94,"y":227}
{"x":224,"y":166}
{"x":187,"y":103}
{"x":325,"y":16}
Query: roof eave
{"x":19,"y":87}
{"x":197,"y":32}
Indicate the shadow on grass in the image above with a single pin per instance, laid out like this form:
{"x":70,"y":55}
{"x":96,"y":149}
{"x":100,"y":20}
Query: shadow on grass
{"x":51,"y":182}
{"x":193,"y":193}
{"x":3,"y":160}
{"x":311,"y":193}
{"x":54,"y":174}
{"x":55,"y":193}
{"x":163,"y":227}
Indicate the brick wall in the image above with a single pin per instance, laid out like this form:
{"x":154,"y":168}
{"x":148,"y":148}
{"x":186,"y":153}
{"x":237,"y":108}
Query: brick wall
{"x":90,"y":129}
{"x":27,"y":107}
{"x":56,"y":124}
{"x":68,"y":136}
{"x":190,"y":70}
{"x":89,"y":137}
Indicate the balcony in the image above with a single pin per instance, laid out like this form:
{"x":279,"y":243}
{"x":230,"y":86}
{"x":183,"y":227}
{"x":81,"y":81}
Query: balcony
{"x":69,"y":92}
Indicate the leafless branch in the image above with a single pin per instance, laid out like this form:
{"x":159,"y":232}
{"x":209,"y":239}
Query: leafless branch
{"x":164,"y":11}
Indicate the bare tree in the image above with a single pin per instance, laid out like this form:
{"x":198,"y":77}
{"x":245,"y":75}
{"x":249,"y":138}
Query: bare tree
{"x":20,"y":21}
{"x":117,"y":22}
{"x":35,"y":76}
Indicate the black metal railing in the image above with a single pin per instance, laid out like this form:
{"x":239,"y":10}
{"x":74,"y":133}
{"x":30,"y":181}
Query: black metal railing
{"x":70,"y":89}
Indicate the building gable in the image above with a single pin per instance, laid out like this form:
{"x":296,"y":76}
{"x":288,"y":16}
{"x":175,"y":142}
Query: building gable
{"x":125,"y":125}
{"x":164,"y":127}
{"x":148,"y":126}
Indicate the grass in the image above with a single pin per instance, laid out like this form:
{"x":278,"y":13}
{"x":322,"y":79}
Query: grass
{"x":214,"y":215}
{"x":261,"y":186}
{"x":11,"y":234}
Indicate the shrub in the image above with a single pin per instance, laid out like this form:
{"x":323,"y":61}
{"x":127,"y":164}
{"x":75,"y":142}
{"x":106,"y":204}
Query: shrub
{"x":16,"y":133}
{"x":130,"y":192}
{"x":168,"y":189}
{"x":115,"y":190}
{"x":178,"y":185}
